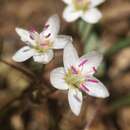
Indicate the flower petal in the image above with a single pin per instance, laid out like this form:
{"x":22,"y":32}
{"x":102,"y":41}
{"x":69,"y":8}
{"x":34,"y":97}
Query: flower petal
{"x":51,"y":27}
{"x":75,"y":100}
{"x":67,"y":1}
{"x":89,"y":63}
{"x":61,"y":41}
{"x":25,"y":36}
{"x":23,"y":54}
{"x":96,"y":2}
{"x":96,"y":88}
{"x":70,"y":14}
{"x":70,"y":56}
{"x":92,"y":16}
{"x":43,"y":57}
{"x":57,"y":78}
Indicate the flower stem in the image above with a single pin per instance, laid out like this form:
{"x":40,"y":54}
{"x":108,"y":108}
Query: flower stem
{"x":84,"y":29}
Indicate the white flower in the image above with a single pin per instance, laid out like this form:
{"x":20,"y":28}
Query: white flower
{"x":77,"y":76}
{"x":86,"y":9}
{"x":39,"y":46}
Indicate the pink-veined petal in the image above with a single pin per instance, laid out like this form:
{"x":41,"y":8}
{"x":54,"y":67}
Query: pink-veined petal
{"x":92,"y":16}
{"x":70,"y":14}
{"x":51,"y":28}
{"x":95,"y":88}
{"x":89,"y":63}
{"x":67,"y":1}
{"x":70,"y":56}
{"x":75,"y":100}
{"x":43,"y":57}
{"x":94,"y":3}
{"x":25,"y":36}
{"x":61,"y":41}
{"x":57,"y":78}
{"x":23,"y":54}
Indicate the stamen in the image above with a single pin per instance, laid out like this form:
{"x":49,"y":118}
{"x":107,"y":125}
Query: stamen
{"x":94,"y":69}
{"x":83,"y":62}
{"x":48,"y":35}
{"x":84,"y":88}
{"x":32,"y":31}
{"x":46,"y":26}
{"x":31,"y":37}
{"x":74,"y":71}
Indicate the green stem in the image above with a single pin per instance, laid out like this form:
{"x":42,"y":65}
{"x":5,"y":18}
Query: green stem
{"x":87,"y":32}
{"x":84,"y":29}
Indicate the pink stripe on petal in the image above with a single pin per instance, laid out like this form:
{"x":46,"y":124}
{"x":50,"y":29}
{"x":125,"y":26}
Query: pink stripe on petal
{"x":83,"y":62}
{"x":76,"y":97}
{"x":84,"y":88}
{"x":26,"y":50}
{"x":92,"y":80}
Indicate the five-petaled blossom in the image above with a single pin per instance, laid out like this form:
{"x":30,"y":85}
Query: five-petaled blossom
{"x":77,"y":77}
{"x":39,"y":46}
{"x":86,"y":9}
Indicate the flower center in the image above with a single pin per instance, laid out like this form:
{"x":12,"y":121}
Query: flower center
{"x":81,"y":4}
{"x":43,"y":46}
{"x":74,"y":78}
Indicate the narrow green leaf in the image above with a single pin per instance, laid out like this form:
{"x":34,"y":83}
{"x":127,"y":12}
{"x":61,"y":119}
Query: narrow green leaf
{"x":123,"y":43}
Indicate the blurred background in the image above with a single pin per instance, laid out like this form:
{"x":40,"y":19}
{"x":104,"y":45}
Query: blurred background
{"x":27,"y":99}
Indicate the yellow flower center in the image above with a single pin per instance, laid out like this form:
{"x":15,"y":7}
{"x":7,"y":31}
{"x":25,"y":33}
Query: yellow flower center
{"x":74,"y":78}
{"x":81,"y":4}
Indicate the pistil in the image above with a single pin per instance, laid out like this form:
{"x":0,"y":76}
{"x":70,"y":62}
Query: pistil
{"x":74,"y":78}
{"x":81,"y":4}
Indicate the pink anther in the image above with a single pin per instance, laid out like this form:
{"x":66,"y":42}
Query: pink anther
{"x":32,"y":29}
{"x":48,"y":35}
{"x":46,"y":26}
{"x":74,"y":71}
{"x":94,"y":69}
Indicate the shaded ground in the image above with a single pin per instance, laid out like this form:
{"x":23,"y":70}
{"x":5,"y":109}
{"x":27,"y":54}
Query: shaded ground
{"x":29,"y":102}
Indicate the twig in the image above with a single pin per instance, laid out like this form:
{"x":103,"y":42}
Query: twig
{"x":88,"y":125}
{"x":21,"y":69}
